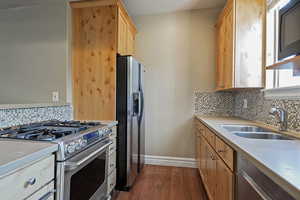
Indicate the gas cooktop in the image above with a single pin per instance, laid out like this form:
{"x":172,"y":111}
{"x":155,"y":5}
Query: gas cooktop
{"x":47,"y":131}
{"x":71,"y":136}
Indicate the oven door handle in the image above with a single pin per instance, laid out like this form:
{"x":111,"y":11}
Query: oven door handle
{"x":70,"y":166}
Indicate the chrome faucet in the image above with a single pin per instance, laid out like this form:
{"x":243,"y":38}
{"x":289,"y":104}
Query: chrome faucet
{"x":281,"y":114}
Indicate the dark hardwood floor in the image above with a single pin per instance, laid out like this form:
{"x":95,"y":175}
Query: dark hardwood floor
{"x":166,"y":183}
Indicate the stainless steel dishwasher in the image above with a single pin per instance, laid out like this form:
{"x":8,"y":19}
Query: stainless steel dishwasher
{"x":252,"y":184}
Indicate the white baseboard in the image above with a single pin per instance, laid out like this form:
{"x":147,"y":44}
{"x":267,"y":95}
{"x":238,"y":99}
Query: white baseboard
{"x":170,"y":161}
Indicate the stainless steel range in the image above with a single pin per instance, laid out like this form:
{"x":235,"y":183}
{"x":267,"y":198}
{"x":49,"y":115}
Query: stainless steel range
{"x":82,"y":159}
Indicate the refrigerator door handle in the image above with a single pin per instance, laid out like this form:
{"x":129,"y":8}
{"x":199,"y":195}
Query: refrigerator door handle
{"x":136,"y":104}
{"x":140,"y":104}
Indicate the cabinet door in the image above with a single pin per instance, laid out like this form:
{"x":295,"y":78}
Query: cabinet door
{"x":211,"y":173}
{"x":130,"y":41}
{"x":203,"y":158}
{"x":228,"y":49}
{"x":122,"y":34}
{"x":198,"y":147}
{"x":220,"y":56}
{"x":224,"y":181}
{"x":250,"y":43}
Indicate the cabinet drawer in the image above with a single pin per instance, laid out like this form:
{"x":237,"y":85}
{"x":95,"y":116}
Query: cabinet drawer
{"x":112,"y":163}
{"x":225,"y":152}
{"x":111,"y":182}
{"x":28,"y":180}
{"x":46,"y":193}
{"x":210,"y":137}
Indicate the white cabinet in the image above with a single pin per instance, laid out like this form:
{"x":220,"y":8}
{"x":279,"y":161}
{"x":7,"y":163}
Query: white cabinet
{"x":46,"y":193}
{"x":26,"y":181}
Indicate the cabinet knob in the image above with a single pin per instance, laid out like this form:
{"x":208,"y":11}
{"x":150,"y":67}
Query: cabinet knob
{"x":30,"y":181}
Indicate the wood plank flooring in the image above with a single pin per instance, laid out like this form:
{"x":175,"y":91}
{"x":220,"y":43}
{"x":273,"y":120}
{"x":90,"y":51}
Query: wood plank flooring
{"x":166,"y":183}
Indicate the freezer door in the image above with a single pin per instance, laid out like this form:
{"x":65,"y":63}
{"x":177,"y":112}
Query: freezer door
{"x":133,"y":106}
{"x":141,"y":120}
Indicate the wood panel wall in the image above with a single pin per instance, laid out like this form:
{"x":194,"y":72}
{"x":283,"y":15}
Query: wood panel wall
{"x":94,"y":50}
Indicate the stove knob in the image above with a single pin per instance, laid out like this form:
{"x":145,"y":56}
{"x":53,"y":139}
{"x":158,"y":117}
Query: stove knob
{"x":78,"y":144}
{"x":71,"y":148}
{"x":83,"y":142}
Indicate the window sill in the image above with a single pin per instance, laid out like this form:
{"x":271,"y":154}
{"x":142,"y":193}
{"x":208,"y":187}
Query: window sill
{"x":282,"y":93}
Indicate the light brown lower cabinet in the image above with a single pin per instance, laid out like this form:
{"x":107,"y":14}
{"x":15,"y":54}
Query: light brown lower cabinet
{"x":217,"y":177}
{"x":224,"y":186}
{"x":211,"y":167}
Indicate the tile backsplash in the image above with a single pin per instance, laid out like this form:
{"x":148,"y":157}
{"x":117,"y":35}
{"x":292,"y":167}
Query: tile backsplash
{"x":24,"y":115}
{"x":231,"y":104}
{"x":212,"y":103}
{"x":259,"y":107}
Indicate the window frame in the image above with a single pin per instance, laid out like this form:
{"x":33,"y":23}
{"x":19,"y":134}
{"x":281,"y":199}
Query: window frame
{"x":276,"y":91}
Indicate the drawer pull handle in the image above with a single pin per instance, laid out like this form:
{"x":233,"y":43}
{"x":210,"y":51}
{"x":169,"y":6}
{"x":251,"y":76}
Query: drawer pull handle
{"x":222,"y":151}
{"x":30,"y":181}
{"x":48,"y":195}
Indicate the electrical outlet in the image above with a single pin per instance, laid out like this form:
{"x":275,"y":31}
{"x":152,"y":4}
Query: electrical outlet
{"x":245,"y":104}
{"x":55,"y":96}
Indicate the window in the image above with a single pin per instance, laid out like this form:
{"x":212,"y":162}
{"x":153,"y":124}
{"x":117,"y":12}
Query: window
{"x":283,"y":78}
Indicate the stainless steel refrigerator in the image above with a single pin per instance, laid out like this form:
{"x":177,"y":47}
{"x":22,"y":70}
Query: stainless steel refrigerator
{"x":131,"y":118}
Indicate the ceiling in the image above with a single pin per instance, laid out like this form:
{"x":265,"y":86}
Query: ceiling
{"x":149,"y":7}
{"x":135,"y":7}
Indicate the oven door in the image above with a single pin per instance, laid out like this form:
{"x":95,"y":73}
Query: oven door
{"x":86,"y":174}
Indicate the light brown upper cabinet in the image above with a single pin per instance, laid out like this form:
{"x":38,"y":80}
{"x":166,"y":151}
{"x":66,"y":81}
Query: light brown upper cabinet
{"x":126,"y":35}
{"x":241,"y":45}
{"x":100,"y":30}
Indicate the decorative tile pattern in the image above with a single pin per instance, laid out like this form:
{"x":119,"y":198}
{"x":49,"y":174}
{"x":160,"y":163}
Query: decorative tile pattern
{"x":214,"y":103}
{"x":18,"y":116}
{"x":259,"y":107}
{"x":231,"y":104}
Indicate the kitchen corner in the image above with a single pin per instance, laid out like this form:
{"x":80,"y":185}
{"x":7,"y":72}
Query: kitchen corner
{"x":275,"y":158}
{"x":30,"y":148}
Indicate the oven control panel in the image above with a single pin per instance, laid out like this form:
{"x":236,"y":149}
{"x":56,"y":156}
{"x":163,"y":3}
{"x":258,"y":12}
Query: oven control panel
{"x":87,"y":139}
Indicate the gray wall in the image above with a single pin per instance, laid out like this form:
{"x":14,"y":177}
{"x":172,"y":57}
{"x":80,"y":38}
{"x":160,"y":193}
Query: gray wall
{"x":33,"y":53}
{"x":178,"y":52}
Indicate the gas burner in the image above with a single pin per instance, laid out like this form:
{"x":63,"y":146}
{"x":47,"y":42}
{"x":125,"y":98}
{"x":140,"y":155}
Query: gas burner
{"x":72,"y":137}
{"x":74,"y":124}
{"x":47,"y":131}
{"x":36,"y":133}
{"x":80,"y":126}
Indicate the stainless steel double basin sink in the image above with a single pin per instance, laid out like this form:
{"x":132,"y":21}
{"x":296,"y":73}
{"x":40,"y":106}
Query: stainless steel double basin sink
{"x":254,"y":132}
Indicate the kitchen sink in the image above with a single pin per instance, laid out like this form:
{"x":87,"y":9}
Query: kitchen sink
{"x":254,"y":132}
{"x":262,"y":135}
{"x":243,"y":128}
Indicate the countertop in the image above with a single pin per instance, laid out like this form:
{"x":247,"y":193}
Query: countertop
{"x":15,"y":154}
{"x":278,"y":159}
